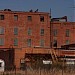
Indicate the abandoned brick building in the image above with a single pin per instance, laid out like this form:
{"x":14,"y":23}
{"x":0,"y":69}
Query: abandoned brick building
{"x":25,"y":36}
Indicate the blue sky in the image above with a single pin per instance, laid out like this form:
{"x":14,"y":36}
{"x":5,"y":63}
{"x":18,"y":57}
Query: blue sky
{"x":59,"y":7}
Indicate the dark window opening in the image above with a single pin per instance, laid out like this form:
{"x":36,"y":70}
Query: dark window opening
{"x":1,"y":17}
{"x":0,"y":64}
{"x":29,"y":18}
{"x":55,"y":43}
{"x":42,"y":18}
{"x":22,"y":64}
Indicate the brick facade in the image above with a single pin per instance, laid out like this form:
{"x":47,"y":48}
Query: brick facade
{"x":65,"y":33}
{"x":33,"y":33}
{"x":15,"y":34}
{"x":22,"y":24}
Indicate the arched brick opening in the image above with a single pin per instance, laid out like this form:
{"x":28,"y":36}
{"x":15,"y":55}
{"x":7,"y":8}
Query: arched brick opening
{"x":7,"y":55}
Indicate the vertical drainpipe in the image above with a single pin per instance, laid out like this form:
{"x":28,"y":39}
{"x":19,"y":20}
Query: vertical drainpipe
{"x":50,"y":30}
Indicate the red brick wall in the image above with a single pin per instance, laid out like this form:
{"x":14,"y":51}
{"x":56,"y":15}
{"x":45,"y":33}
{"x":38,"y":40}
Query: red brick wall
{"x":20,"y":53}
{"x":61,"y":31}
{"x":23,"y":24}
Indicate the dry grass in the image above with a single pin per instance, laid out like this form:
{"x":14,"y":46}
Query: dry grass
{"x":53,"y":70}
{"x":40,"y":72}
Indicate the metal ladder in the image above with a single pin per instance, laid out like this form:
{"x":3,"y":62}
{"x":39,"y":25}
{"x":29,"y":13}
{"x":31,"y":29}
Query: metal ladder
{"x":54,"y":56}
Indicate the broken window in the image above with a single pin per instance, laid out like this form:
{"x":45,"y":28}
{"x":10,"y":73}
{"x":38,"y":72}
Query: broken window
{"x":55,"y":43}
{"x":42,"y":18}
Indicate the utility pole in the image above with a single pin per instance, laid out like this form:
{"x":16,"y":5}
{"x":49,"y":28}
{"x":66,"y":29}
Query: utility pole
{"x":74,"y":12}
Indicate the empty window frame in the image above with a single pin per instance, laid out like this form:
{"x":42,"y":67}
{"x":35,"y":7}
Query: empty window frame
{"x":67,"y":32}
{"x":67,"y":42}
{"x":15,"y":42}
{"x":15,"y":31}
{"x":42,"y":42}
{"x":55,"y":43}
{"x":1,"y":17}
{"x":1,"y":41}
{"x":42,"y":18}
{"x":29,"y":42}
{"x":42,"y":32}
{"x":29,"y":18}
{"x":15,"y":17}
{"x":55,"y":32}
{"x":1,"y":30}
{"x":29,"y":31}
